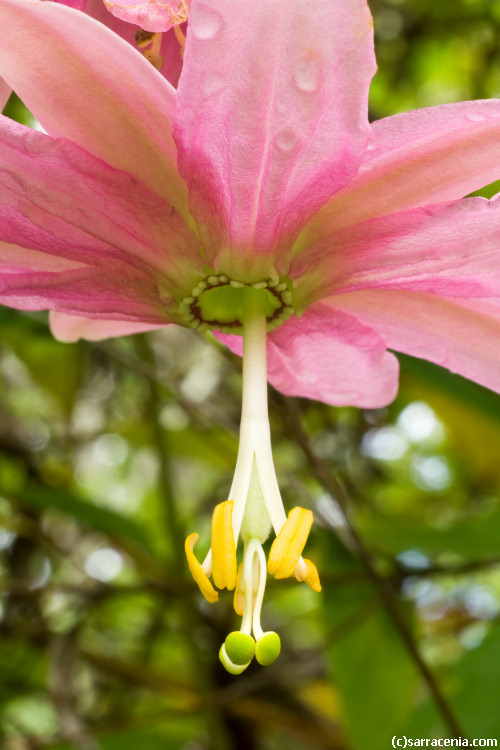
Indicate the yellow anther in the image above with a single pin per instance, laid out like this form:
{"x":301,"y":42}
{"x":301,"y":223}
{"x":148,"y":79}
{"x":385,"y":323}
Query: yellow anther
{"x":199,"y":576}
{"x":153,"y":54}
{"x":223,"y":546}
{"x":143,"y":38}
{"x":311,"y":577}
{"x":239,"y":593}
{"x":288,"y":545}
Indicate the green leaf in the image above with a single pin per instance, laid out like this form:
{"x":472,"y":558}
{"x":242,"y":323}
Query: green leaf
{"x":475,"y":688}
{"x":371,"y":666}
{"x":101,"y":519}
{"x":465,"y":390}
{"x":476,"y":537}
{"x":472,"y":687}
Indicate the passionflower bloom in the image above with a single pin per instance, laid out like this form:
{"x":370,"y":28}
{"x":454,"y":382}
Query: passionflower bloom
{"x":258,"y":202}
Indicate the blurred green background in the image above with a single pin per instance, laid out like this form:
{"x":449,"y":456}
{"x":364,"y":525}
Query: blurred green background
{"x":111,"y":453}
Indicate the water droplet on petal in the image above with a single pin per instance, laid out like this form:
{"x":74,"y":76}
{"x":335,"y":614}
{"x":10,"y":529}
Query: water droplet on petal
{"x":476,"y":117}
{"x":213,"y":84}
{"x":286,"y":139}
{"x":307,"y":72}
{"x":205,"y":23}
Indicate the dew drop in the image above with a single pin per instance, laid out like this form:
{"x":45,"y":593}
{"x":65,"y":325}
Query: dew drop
{"x":205,"y":23}
{"x":307,"y":72}
{"x":286,"y":139}
{"x":475,"y":118}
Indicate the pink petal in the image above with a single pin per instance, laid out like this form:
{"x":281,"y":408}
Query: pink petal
{"x":170,"y":47}
{"x":58,"y":199}
{"x":428,"y":156}
{"x":83,"y":82}
{"x":151,"y":15}
{"x":448,"y":249}
{"x":77,"y":4}
{"x":447,"y":331}
{"x":14,"y":258}
{"x":329,"y":356}
{"x":70,"y":328}
{"x":5,"y":92}
{"x":97,"y":293}
{"x":271,"y":118}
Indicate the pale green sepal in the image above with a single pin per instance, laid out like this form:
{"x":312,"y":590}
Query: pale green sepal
{"x":268,"y":648}
{"x":228,"y":664}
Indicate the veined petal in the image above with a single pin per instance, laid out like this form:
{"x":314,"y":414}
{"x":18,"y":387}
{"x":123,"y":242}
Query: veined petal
{"x":223,"y":546}
{"x":329,"y":356}
{"x":71,"y":328}
{"x":311,"y":577}
{"x":14,"y":259}
{"x":83,"y":82}
{"x":454,"y":333}
{"x":206,"y":588}
{"x":261,"y":159}
{"x":448,"y":249}
{"x":151,"y":15}
{"x":108,"y":294}
{"x":288,"y":545}
{"x":57,"y":198}
{"x":427,"y":156}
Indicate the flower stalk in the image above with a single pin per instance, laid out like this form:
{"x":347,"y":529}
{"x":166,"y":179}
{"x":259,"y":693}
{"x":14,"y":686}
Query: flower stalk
{"x":253,"y":508}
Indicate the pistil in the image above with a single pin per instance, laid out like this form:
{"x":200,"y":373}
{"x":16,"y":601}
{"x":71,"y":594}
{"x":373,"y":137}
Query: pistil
{"x":254,"y":506}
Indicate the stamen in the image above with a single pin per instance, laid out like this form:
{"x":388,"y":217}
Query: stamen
{"x":288,"y":545}
{"x":223,"y":546}
{"x":311,"y":577}
{"x":197,"y":571}
{"x":239,"y":593}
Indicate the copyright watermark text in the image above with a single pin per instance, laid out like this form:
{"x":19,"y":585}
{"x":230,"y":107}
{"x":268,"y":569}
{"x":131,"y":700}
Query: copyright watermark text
{"x":422,"y":742}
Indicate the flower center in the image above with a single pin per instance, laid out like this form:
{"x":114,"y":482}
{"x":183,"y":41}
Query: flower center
{"x":149,"y":42}
{"x":217,"y":302}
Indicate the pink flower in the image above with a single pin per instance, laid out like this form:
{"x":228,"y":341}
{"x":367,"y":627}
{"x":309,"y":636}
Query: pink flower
{"x":255,"y":196}
{"x":262,"y":166}
{"x":129,"y":18}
